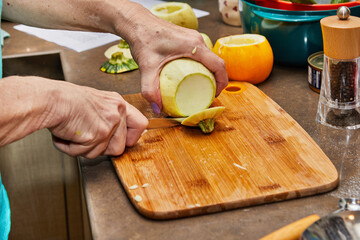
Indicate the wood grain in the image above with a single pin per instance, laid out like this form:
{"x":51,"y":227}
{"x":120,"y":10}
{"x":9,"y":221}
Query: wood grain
{"x":257,"y":154}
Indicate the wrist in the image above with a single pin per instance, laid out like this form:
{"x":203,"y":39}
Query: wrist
{"x":134,"y":24}
{"x":26,"y":107}
{"x":55,"y":96}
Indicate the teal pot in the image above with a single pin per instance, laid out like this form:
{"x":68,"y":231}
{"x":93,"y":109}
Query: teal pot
{"x":293,"y":35}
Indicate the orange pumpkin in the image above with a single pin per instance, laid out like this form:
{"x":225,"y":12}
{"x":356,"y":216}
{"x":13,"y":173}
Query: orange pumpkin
{"x":248,"y":57}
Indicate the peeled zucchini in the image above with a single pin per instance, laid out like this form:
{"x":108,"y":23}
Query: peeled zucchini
{"x":186,"y":87}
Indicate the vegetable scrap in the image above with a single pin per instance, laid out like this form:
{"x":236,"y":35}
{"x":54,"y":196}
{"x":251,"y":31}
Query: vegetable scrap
{"x":138,"y":198}
{"x":237,"y":165}
{"x":118,"y":63}
{"x":133,"y":187}
{"x":194,"y":50}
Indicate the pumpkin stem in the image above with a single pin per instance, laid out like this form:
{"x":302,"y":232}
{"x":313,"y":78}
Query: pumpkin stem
{"x":207,"y":125}
{"x":118,"y":58}
{"x":118,"y":63}
{"x":123,"y":44}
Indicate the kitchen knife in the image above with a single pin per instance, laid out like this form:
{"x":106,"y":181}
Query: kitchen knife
{"x":163,"y":122}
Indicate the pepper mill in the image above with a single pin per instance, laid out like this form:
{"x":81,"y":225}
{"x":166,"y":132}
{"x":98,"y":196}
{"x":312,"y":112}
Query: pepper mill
{"x":339,"y":97}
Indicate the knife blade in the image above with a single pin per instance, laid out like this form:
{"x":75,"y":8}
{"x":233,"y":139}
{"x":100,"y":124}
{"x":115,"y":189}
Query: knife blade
{"x":162,"y":123}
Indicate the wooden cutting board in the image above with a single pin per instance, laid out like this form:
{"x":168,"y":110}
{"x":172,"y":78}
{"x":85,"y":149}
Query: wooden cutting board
{"x":256,"y":154}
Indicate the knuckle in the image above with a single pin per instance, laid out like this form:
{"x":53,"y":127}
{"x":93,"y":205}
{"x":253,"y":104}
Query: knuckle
{"x":121,"y":111}
{"x":115,"y":151}
{"x":103,"y":132}
{"x":115,"y":94}
{"x":91,"y":155}
{"x":114,"y":119}
{"x":148,"y":94}
{"x":88,"y":137}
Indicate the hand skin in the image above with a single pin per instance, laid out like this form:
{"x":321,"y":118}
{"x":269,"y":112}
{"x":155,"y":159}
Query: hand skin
{"x":153,"y":41}
{"x":83,"y":121}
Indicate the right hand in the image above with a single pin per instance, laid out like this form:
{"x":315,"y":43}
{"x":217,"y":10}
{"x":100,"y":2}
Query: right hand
{"x":93,"y":122}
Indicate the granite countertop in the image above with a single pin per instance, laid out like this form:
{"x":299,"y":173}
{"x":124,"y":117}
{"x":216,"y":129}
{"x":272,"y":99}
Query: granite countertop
{"x":112,"y":215}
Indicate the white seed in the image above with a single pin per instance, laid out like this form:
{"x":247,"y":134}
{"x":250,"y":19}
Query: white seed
{"x":237,"y":165}
{"x":194,"y":50}
{"x":197,"y":205}
{"x":145,"y":185}
{"x":133,"y":187}
{"x":138,"y":198}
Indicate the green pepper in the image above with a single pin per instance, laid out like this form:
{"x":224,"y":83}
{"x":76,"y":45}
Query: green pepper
{"x":338,"y":1}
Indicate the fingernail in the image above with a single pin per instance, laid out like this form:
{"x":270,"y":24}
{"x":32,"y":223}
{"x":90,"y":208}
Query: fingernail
{"x":155,"y":108}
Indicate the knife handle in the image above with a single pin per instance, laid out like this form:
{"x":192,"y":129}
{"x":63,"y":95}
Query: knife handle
{"x":292,"y":231}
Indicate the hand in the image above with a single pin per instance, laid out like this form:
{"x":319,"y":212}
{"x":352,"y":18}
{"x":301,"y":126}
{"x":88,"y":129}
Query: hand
{"x":162,"y":42}
{"x":94,"y":122}
{"x":153,"y":41}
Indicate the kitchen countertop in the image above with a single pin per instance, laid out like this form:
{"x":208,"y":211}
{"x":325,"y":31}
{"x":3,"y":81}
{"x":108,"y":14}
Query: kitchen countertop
{"x":111,"y":214}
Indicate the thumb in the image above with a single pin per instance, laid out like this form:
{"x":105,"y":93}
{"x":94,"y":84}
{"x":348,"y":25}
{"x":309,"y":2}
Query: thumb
{"x":150,"y":89}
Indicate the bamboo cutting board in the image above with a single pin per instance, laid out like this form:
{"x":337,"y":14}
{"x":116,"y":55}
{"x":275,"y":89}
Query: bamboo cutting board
{"x":256,"y":154}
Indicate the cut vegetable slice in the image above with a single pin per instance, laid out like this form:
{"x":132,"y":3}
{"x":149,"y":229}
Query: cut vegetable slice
{"x":177,"y":13}
{"x":111,"y":50}
{"x":186,"y":87}
{"x":204,"y":119}
{"x":118,"y":63}
{"x":122,"y":46}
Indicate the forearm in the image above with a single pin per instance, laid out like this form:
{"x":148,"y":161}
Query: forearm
{"x":24,"y":107}
{"x":83,"y":120}
{"x":114,"y":16}
{"x":153,"y":41}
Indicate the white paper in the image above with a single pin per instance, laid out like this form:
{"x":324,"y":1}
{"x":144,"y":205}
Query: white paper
{"x":81,"y":41}
{"x":76,"y":40}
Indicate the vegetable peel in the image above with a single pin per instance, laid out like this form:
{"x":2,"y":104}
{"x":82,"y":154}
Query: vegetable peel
{"x":204,"y":119}
{"x":118,"y":63}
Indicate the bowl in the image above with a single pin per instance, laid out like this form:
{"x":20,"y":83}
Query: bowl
{"x":293,"y":35}
{"x":284,"y":5}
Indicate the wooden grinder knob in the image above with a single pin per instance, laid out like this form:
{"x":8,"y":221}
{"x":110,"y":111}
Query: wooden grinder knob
{"x":341,"y":35}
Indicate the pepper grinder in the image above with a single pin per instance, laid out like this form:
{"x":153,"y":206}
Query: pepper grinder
{"x":339,"y":97}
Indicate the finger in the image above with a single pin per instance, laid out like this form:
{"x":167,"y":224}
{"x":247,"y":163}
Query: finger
{"x":215,"y":64}
{"x":67,"y":147}
{"x":129,"y":132}
{"x":117,"y":142}
{"x":150,"y":89}
{"x":75,"y":149}
{"x":221,"y":77}
{"x":136,"y":124}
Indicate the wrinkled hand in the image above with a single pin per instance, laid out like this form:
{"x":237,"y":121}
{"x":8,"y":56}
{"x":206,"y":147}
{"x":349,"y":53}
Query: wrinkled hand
{"x":162,"y":42}
{"x":95,"y":122}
